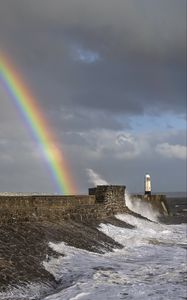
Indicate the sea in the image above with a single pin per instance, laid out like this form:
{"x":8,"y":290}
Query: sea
{"x":151,"y":265}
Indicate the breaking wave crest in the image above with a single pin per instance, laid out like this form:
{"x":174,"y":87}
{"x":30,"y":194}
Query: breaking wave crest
{"x":151,"y":265}
{"x":142,"y":208}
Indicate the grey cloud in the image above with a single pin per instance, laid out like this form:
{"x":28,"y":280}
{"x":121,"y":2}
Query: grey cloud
{"x":138,"y":69}
{"x":121,"y":145}
{"x":119,"y":164}
{"x":76,"y":120}
{"x":22,"y":169}
{"x":150,"y":26}
{"x":172,"y":136}
{"x":141,"y":46}
{"x":172,"y":151}
{"x":120,"y":157}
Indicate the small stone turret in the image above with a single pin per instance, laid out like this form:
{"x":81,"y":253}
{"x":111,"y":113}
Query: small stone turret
{"x":112,"y":196}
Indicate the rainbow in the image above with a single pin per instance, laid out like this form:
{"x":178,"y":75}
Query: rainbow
{"x":39,"y":128}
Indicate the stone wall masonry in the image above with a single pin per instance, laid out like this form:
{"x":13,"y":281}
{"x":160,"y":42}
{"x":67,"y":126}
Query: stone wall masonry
{"x":102,"y":201}
{"x":32,"y":208}
{"x":109,"y":194}
{"x":107,"y":201}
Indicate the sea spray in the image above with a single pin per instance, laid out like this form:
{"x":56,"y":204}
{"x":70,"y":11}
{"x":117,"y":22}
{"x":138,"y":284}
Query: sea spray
{"x":140,"y":207}
{"x":29,"y":291}
{"x":95,"y":178}
{"x":134,"y":272}
{"x":151,"y":265}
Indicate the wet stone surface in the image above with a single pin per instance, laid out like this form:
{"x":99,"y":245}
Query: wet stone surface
{"x":24,"y":246}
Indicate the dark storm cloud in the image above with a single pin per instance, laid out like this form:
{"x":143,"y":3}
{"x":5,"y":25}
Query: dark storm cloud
{"x":154,"y":26}
{"x":92,"y":66}
{"x":120,"y":56}
{"x":81,"y":120}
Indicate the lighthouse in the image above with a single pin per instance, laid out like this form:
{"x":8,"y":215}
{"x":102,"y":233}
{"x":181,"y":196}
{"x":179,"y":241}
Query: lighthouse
{"x":147,"y":184}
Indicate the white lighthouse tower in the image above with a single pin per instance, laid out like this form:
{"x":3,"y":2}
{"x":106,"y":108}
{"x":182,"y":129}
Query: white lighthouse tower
{"x":147,"y":184}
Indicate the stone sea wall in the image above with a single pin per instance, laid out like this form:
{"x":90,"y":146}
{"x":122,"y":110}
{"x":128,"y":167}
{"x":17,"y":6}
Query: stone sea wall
{"x":105,"y":201}
{"x":102,"y":201}
{"x":29,"y":222}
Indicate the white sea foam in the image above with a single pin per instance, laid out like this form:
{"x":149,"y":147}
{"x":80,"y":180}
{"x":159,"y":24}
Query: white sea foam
{"x":151,"y":265}
{"x":140,"y":207}
{"x":30,"y":291}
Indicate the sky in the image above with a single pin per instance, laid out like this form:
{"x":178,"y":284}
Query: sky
{"x":110,"y":79}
